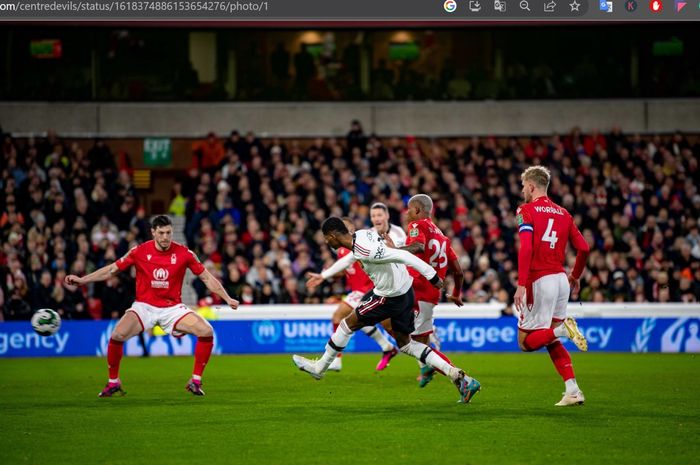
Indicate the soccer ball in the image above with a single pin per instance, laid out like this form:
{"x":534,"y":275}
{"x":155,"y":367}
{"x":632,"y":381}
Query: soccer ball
{"x":46,"y":321}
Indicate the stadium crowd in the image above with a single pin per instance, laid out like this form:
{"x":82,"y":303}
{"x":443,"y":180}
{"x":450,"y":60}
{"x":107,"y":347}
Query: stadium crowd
{"x":253,"y":211}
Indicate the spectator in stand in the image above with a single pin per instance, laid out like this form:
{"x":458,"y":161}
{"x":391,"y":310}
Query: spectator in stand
{"x":253,"y":214}
{"x":209,"y":153}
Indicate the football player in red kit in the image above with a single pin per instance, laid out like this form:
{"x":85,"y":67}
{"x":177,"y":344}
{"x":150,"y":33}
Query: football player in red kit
{"x":425,"y":240}
{"x":160,"y":270}
{"x":543,"y":291}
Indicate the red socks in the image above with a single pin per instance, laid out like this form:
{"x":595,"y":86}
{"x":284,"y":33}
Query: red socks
{"x":538,"y":339}
{"x":202,"y":352}
{"x":561,"y":359}
{"x":115,"y":349}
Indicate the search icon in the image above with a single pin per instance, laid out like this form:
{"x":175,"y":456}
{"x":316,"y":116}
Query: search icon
{"x":524,"y":5}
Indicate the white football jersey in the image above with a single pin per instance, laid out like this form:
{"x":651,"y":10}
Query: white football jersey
{"x":396,"y":234}
{"x":386,"y":266}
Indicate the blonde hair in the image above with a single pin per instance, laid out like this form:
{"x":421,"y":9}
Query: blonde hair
{"x":537,"y":174}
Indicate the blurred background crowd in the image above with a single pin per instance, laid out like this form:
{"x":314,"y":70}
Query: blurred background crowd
{"x":252,"y":208}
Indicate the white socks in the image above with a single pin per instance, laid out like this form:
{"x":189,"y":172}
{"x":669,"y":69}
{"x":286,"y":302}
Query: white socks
{"x":336,"y":344}
{"x":571,"y":386}
{"x":428,"y":356}
{"x":560,"y":331}
{"x":379,"y":337}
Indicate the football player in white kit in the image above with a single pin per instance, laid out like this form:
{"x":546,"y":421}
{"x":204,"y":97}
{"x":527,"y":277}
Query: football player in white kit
{"x":392,"y":297}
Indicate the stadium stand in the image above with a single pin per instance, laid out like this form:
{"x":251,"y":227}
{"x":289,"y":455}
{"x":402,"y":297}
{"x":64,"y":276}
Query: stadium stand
{"x":252,"y":209}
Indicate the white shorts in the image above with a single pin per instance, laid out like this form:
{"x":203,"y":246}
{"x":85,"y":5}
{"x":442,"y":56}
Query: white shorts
{"x":550,"y":295}
{"x":424,"y":318}
{"x":165,"y":317}
{"x":353,"y":299}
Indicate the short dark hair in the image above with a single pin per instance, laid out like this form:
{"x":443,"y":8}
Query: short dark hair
{"x":380,"y":206}
{"x":160,"y":220}
{"x":334,"y":225}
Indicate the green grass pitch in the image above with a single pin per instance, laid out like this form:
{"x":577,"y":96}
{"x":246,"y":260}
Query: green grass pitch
{"x":641,"y":409}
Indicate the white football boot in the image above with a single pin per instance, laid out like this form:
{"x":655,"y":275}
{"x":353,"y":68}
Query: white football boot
{"x":309,"y":366}
{"x":575,"y":334}
{"x":571,"y":399}
{"x":336,"y":365}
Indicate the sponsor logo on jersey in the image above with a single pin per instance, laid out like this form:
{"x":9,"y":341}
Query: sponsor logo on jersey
{"x":379,"y":253}
{"x":160,"y":278}
{"x":519,"y":219}
{"x":414,"y":230}
{"x":554,"y":211}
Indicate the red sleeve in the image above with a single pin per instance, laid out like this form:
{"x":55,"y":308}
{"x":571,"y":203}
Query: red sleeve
{"x":342,"y":251}
{"x":525,"y":230}
{"x":194,"y":264}
{"x":451,"y":255}
{"x":127,"y":260}
{"x":582,"y":249}
{"x":415,"y":233}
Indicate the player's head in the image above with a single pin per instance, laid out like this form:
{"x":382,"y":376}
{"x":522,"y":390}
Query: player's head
{"x":420,"y":206}
{"x":379,"y":216}
{"x":350,"y":225}
{"x":162,"y":230}
{"x":335,"y":232}
{"x":535,"y":181}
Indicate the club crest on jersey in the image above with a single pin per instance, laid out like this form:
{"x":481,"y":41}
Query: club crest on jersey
{"x":160,"y":278}
{"x":149,"y":257}
{"x":173,"y":259}
{"x":414,"y":230}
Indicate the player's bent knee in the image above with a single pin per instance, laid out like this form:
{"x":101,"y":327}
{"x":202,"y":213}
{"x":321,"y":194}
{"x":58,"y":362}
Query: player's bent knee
{"x":338,"y":316}
{"x":351,"y":322}
{"x":402,"y":340}
{"x":204,"y":330}
{"x":424,"y":339}
{"x":119,"y":335}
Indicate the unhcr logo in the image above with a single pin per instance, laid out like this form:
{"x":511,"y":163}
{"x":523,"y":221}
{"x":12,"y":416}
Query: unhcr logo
{"x":266,"y":332}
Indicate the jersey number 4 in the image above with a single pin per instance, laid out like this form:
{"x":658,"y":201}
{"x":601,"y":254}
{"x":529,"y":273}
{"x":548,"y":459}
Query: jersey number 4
{"x":549,"y":235}
{"x":439,"y":257}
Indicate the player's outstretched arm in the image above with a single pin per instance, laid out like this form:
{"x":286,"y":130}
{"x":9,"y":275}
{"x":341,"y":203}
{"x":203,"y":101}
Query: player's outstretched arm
{"x":414,"y":247}
{"x":315,"y":279}
{"x":214,"y":285}
{"x":96,"y":276}
{"x":408,"y":259}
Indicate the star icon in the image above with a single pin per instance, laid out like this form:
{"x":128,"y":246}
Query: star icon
{"x":574,"y":5}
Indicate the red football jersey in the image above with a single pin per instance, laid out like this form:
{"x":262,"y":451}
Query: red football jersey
{"x":159,"y":275}
{"x":437,"y":253}
{"x":552,"y":227}
{"x":355,"y":277}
